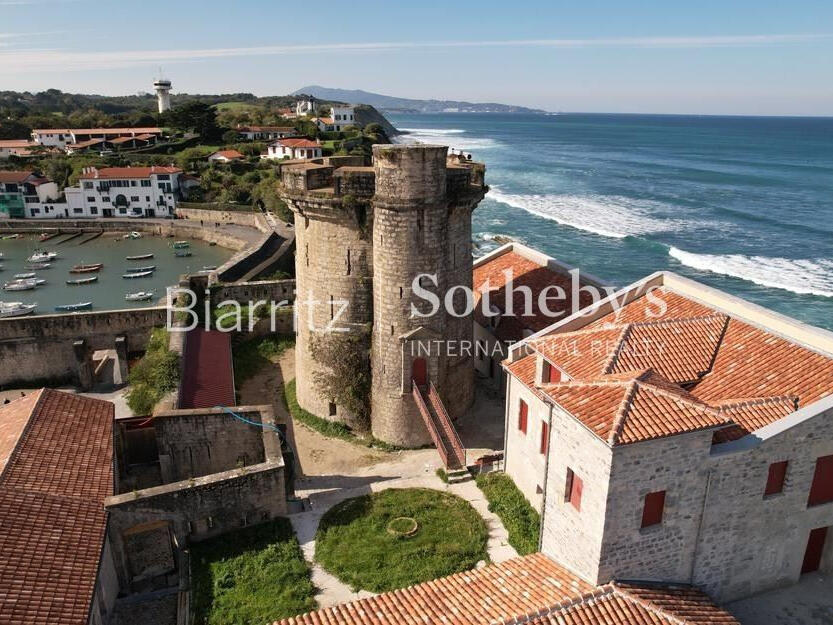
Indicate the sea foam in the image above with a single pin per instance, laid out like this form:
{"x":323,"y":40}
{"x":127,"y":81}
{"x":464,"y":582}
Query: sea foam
{"x":806,"y":277}
{"x":455,"y":138}
{"x":608,"y":216}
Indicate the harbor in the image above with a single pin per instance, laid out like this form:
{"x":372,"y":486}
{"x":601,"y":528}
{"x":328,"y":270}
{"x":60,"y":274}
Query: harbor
{"x":97,"y":274}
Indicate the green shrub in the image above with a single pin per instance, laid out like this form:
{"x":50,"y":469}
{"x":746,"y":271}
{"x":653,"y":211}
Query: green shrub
{"x":155,"y":375}
{"x":251,"y":355}
{"x":252,"y":576}
{"x":519,"y":517}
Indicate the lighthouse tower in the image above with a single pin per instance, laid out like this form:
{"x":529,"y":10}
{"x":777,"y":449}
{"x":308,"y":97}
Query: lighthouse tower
{"x":163,"y":94}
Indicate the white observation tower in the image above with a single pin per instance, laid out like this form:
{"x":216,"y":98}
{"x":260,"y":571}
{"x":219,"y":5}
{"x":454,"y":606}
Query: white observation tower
{"x":162,"y":86}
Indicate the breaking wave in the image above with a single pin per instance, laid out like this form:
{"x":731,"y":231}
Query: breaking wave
{"x":452,"y":137}
{"x":806,"y":277}
{"x":608,"y":216}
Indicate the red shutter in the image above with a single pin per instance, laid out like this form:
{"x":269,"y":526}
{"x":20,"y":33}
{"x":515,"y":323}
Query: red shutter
{"x":822,"y":489}
{"x":653,"y":508}
{"x":523,"y":412}
{"x":575,"y":494}
{"x":775,"y":479}
{"x":545,"y":436}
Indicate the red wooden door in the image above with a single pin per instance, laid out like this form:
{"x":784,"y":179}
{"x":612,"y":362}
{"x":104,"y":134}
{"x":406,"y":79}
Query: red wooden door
{"x":815,"y":547}
{"x":419,"y":372}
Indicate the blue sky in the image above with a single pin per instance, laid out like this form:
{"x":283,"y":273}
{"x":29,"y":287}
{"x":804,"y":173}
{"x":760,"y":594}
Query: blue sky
{"x":729,"y":57}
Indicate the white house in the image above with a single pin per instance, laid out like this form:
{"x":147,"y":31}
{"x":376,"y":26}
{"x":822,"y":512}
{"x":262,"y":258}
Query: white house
{"x":306,"y":106}
{"x":124,"y":192}
{"x":293,"y":149}
{"x":266,"y":133}
{"x":324,"y":124}
{"x":16,"y":147}
{"x":61,"y":137}
{"x":23,"y":193}
{"x":225,"y":156}
{"x":342,"y":117}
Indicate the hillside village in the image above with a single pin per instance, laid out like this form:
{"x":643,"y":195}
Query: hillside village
{"x":659,"y":453}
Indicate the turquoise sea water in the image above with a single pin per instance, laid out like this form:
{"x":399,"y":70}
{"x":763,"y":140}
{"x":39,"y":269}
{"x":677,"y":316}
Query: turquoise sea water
{"x":743,"y":204}
{"x":109,"y":291}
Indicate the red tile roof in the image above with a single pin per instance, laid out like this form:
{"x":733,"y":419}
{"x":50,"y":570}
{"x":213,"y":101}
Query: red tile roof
{"x":525,"y":273}
{"x":15,"y":177}
{"x":208,"y":378}
{"x":128,"y":172}
{"x":531,"y":589}
{"x":732,"y":371}
{"x":229,"y":154}
{"x":98,"y":131}
{"x":298,"y":143}
{"x":17,"y":143}
{"x":51,"y":505}
{"x":265,"y":129}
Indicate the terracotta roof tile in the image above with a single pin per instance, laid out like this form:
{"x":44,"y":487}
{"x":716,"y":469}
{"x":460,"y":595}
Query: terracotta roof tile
{"x":532,"y":589}
{"x":730,"y":370}
{"x":51,"y":506}
{"x":208,"y":380}
{"x":128,"y":172}
{"x":13,"y":419}
{"x":13,"y":177}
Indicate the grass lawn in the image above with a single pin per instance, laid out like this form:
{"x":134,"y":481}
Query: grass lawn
{"x":518,"y":516}
{"x":251,"y":355}
{"x":357,"y":539}
{"x":253,"y":576}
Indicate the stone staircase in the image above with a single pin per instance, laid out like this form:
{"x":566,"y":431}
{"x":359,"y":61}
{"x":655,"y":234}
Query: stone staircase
{"x":439,"y":426}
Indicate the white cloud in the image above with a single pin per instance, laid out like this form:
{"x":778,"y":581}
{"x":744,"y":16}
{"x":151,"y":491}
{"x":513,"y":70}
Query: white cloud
{"x":45,"y":60}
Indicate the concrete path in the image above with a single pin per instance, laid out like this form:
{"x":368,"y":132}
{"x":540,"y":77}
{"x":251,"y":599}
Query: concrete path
{"x":331,"y":590}
{"x":809,"y":602}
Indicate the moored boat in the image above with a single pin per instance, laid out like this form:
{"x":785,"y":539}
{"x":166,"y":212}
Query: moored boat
{"x":141,"y":269}
{"x":141,"y":274}
{"x":177,"y":245}
{"x":24,"y":276}
{"x":42,"y":257}
{"x":182,"y":253}
{"x":20,"y":285}
{"x":74,"y":307}
{"x":91,"y":268}
{"x":139,"y":296}
{"x":133,"y":235}
{"x":139,"y":257}
{"x":16,"y":309}
{"x":89,"y":280}
{"x":209,"y":267}
{"x":38,"y":266}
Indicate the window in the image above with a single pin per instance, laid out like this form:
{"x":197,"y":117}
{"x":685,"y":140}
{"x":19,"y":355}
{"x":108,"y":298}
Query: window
{"x":332,"y":409}
{"x":134,"y":198}
{"x":550,"y":374}
{"x":523,"y":414}
{"x":122,"y":210}
{"x":90,"y":198}
{"x":653,"y":508}
{"x":88,"y":185}
{"x":573,"y":489}
{"x":545,"y":437}
{"x":93,"y":210}
{"x":775,"y":479}
{"x":36,"y":211}
{"x":822,"y":489}
{"x":145,"y":183}
{"x":132,"y":183}
{"x":77,"y":211}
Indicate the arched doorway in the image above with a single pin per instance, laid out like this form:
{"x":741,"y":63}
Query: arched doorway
{"x":419,"y":371}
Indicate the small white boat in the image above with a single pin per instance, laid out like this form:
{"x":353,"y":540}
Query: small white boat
{"x":42,"y":257}
{"x":140,"y":274}
{"x":16,"y":309}
{"x":133,"y":235}
{"x":140,"y":296}
{"x":209,"y":267}
{"x":141,"y":269}
{"x":80,"y":281}
{"x":20,"y":285}
{"x":139,"y":257}
{"x":24,"y":276}
{"x":181,"y":245}
{"x":74,"y":307}
{"x":38,"y":266}
{"x":182,"y":253}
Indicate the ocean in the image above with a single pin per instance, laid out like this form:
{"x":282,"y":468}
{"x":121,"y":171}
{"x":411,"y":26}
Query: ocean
{"x":744,"y":204}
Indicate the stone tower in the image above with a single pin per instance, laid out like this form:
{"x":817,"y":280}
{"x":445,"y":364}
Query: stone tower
{"x":163,"y":94}
{"x":363,"y":234}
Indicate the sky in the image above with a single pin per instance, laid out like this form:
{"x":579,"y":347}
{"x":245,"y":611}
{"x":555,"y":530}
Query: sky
{"x":745,"y":57}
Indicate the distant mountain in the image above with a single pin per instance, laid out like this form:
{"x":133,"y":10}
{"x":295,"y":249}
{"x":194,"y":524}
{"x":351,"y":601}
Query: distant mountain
{"x":408,"y":105}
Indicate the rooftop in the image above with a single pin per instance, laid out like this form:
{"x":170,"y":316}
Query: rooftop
{"x":15,"y":177}
{"x":229,"y":154}
{"x":527,"y":268}
{"x":127,"y":172}
{"x":96,"y":131}
{"x":635,"y":374}
{"x":52,"y":489}
{"x":530,"y":589}
{"x":301,"y":142}
{"x":208,"y":378}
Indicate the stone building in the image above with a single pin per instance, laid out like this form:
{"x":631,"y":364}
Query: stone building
{"x":673,"y":433}
{"x":363,"y":235}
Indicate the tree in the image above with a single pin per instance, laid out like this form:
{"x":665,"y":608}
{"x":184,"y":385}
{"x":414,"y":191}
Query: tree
{"x":13,"y":129}
{"x":197,"y":116}
{"x":231,"y":136}
{"x":344,"y":375}
{"x":58,"y":169}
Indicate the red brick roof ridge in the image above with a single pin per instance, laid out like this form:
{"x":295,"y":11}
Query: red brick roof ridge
{"x":750,"y":402}
{"x":614,"y":353}
{"x":622,"y":414}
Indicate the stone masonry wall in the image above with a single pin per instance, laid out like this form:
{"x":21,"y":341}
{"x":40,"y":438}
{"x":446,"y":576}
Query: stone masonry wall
{"x":750,"y":543}
{"x":574,"y":537}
